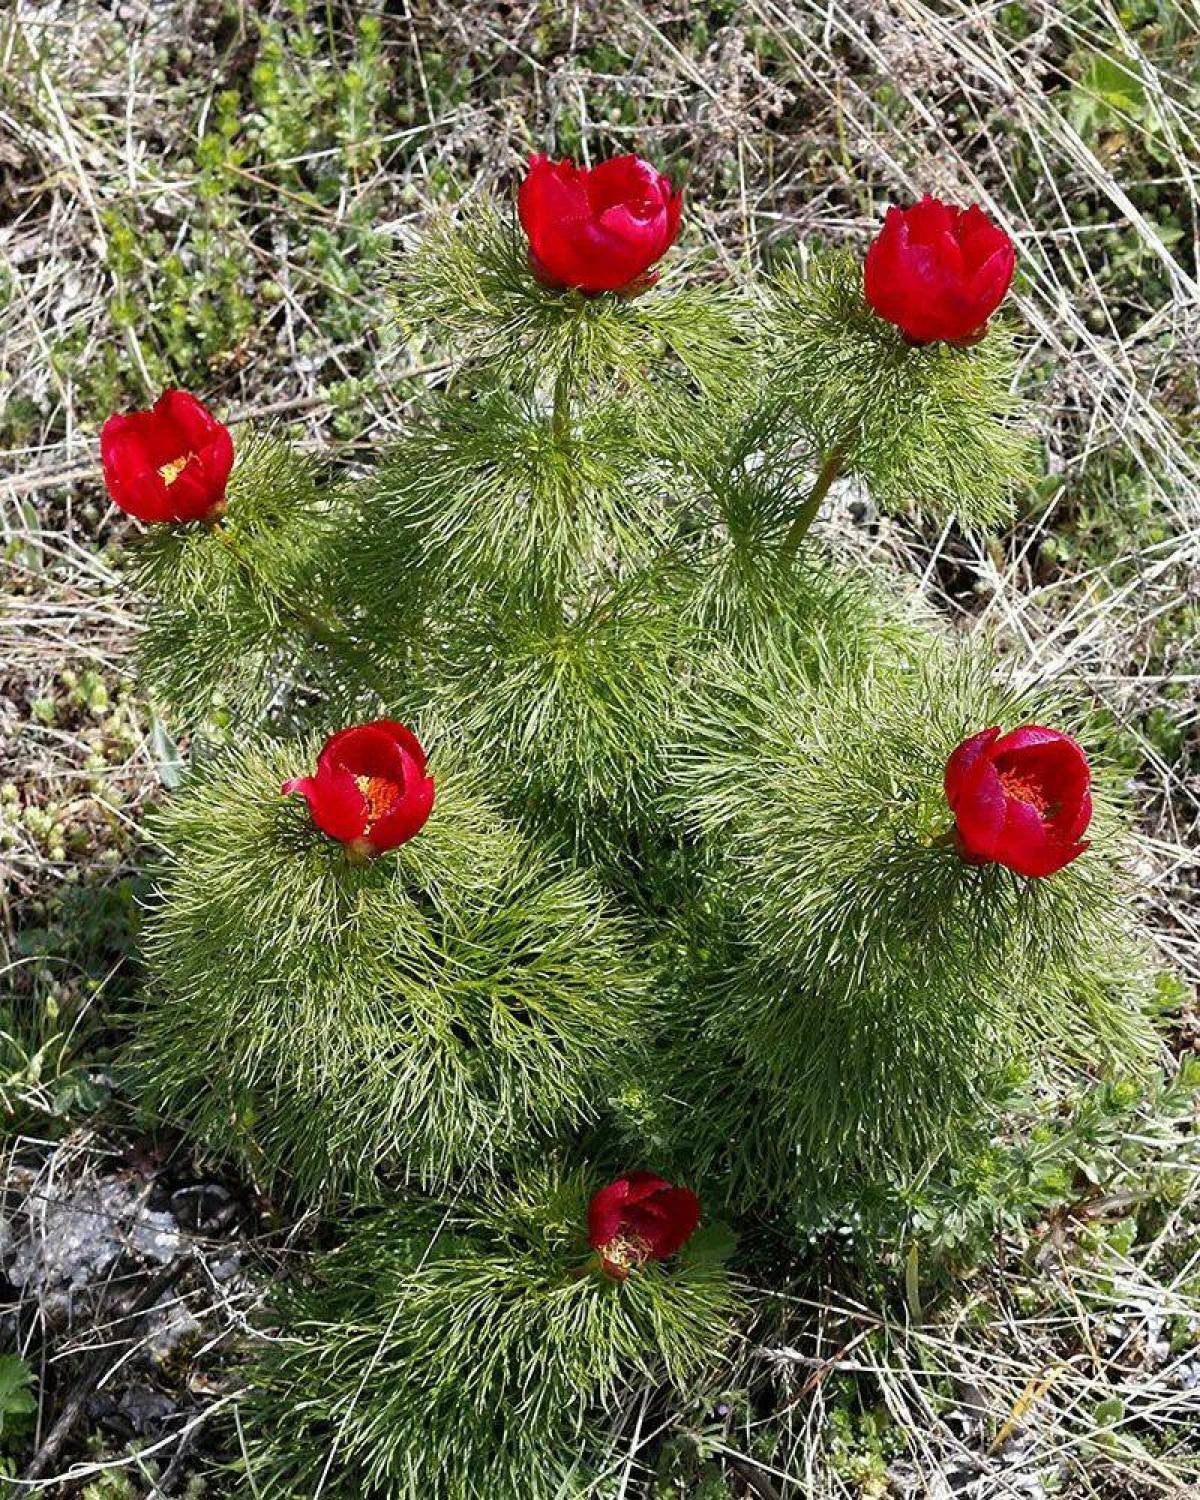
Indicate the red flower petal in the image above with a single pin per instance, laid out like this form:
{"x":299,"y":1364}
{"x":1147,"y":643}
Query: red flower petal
{"x":365,"y":750}
{"x":683,"y":1215}
{"x":371,"y":787}
{"x":1027,"y":735}
{"x":191,"y":420}
{"x":411,"y":812}
{"x":927,"y":221}
{"x":171,"y":463}
{"x":1074,"y":828}
{"x":981,"y":810}
{"x":605,"y":1212}
{"x":337,"y":806}
{"x":641,"y":1185}
{"x":598,"y":229}
{"x":648,"y":1217}
{"x":963,"y":759}
{"x":674,"y":219}
{"x":623,"y":181}
{"x":1022,"y":799}
{"x":938,"y":272}
{"x":1028,"y":847}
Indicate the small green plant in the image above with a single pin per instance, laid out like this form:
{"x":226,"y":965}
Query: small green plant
{"x":18,"y":1403}
{"x":841,"y":930}
{"x":466,"y":1346}
{"x":421,"y":1015}
{"x":939,"y":428}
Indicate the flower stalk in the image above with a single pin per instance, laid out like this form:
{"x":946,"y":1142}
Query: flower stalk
{"x":807,"y":513}
{"x":561,"y":417}
{"x":318,"y":628}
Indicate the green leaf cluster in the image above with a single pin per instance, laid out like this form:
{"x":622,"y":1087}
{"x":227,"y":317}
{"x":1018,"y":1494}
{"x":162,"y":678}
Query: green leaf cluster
{"x":472,"y":1347}
{"x":688,"y":899}
{"x":336,"y":1025}
{"x":873,"y":985}
{"x":469,"y":282}
{"x":227,"y":610}
{"x":934,"y":428}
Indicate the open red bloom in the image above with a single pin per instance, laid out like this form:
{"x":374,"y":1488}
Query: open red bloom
{"x":370,"y":791}
{"x":597,"y":228}
{"x":939,"y":272}
{"x":167,"y":464}
{"x":1021,"y":799}
{"x":639,"y":1218}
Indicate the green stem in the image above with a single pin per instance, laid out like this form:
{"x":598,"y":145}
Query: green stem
{"x":798,"y":530}
{"x":912,"y":1283}
{"x":561,"y":420}
{"x":221,"y":532}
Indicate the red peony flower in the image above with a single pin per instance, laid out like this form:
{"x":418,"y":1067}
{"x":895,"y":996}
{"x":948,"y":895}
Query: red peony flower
{"x":167,"y":464}
{"x":597,"y":228}
{"x":639,"y":1218}
{"x":1020,"y":799}
{"x":370,"y":790}
{"x":939,"y":272}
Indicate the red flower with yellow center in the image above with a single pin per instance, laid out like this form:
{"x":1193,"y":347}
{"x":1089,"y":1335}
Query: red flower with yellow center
{"x":640,"y":1217}
{"x":370,"y":790}
{"x":170,"y":463}
{"x":1021,"y":799}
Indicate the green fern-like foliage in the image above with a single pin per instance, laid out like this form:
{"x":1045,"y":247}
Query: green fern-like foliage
{"x":937,"y":428}
{"x":230,"y":612}
{"x":874,"y":984}
{"x":740,"y":600}
{"x":472,"y":1349}
{"x":486,"y":495}
{"x":470,"y":282}
{"x":738,"y":483}
{"x":575,"y":713}
{"x":336,"y":1024}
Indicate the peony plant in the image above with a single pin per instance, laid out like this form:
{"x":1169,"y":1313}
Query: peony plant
{"x":560,"y":798}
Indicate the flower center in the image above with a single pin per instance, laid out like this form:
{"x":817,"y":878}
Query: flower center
{"x":381,"y":794}
{"x":1024,"y":790}
{"x":171,"y":471}
{"x":626,"y":1249}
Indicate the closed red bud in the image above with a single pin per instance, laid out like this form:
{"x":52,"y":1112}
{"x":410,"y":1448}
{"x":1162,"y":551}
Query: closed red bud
{"x":939,"y":272}
{"x":1021,"y":799}
{"x":601,"y":228}
{"x":370,"y":790}
{"x":170,"y":463}
{"x":639,"y":1217}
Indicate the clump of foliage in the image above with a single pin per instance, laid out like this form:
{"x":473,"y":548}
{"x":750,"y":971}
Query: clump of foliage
{"x":470,"y":1346}
{"x":418,"y":1016}
{"x":856,"y":945}
{"x":940,"y":427}
{"x":691,"y":896}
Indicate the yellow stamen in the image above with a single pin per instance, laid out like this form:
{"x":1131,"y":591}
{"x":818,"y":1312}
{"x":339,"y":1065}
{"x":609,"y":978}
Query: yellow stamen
{"x":171,"y":471}
{"x":381,"y":795}
{"x":626,"y":1250}
{"x":1026,"y":790}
